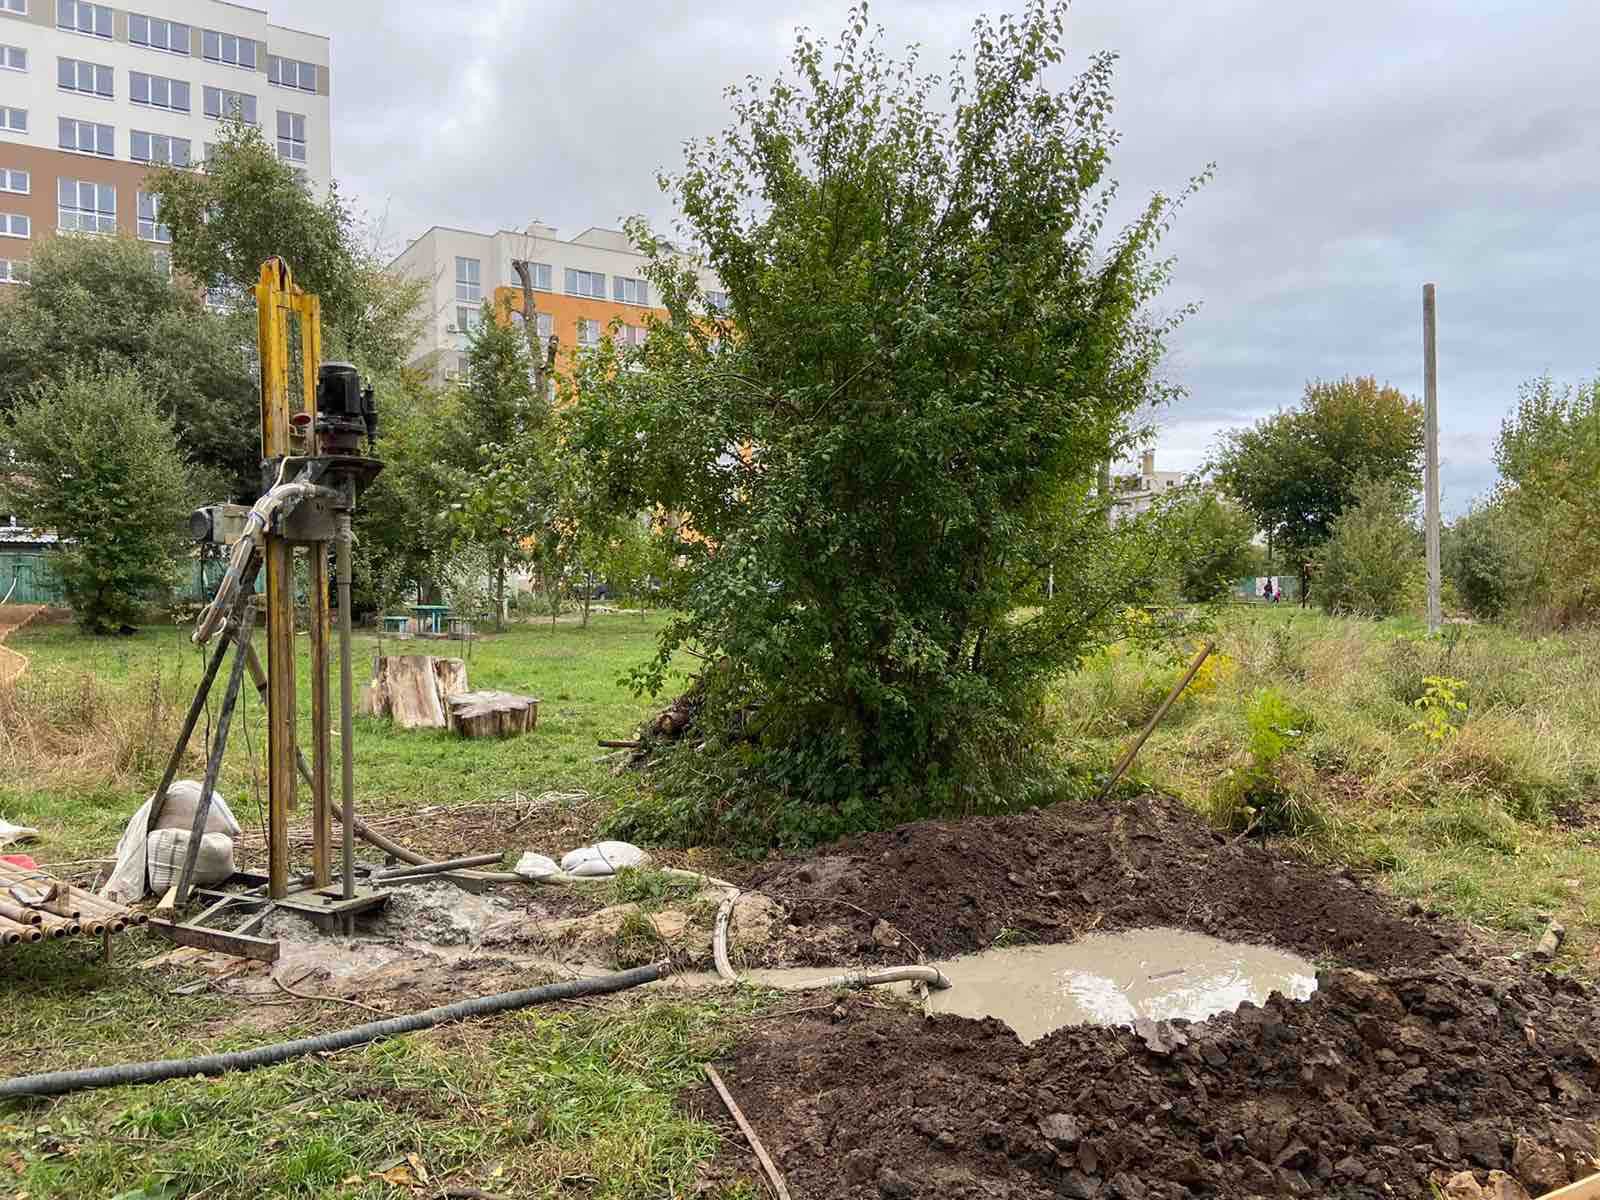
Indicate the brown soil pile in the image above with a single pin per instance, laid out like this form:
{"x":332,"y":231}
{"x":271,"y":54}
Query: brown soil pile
{"x":1055,"y":874}
{"x":1370,"y":1089}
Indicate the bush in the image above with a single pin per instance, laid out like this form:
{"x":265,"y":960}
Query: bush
{"x":1255,"y":797}
{"x":92,"y":458}
{"x":886,"y":438}
{"x":1372,"y":564}
{"x":1485,"y":561}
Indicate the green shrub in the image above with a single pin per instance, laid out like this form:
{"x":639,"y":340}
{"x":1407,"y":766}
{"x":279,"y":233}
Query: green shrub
{"x":1372,"y":564}
{"x":1255,"y":797}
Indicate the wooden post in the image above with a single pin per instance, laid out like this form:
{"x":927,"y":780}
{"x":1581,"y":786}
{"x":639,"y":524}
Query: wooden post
{"x":321,"y":747}
{"x":1430,"y":385}
{"x":280,"y":711}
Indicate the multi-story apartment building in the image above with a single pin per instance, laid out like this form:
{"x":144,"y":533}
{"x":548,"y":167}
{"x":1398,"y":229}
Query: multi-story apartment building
{"x":582,"y":285}
{"x":91,"y":95}
{"x":1132,"y":495}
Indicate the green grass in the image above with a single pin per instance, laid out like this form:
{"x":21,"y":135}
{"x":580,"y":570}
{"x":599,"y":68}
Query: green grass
{"x":545,"y":1103}
{"x":113,"y":706}
{"x":1490,"y":825}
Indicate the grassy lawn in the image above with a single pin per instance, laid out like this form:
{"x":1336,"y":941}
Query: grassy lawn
{"x":1497,"y":823}
{"x":91,"y":723}
{"x":549,"y":1102}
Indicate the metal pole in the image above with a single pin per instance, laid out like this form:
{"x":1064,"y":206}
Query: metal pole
{"x":1430,"y":385}
{"x":346,"y":717}
{"x":189,"y":722}
{"x":219,"y":746}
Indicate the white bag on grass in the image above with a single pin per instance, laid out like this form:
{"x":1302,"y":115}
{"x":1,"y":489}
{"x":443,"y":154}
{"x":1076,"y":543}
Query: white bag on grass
{"x":127,"y":884}
{"x":536,"y":866}
{"x":165,"y":850}
{"x":603,"y":858}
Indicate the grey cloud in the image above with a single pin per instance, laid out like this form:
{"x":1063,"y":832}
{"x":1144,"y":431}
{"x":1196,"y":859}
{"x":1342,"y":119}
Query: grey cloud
{"x":1361,"y":148}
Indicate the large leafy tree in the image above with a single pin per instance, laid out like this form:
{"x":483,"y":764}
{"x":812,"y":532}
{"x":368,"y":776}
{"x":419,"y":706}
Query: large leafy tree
{"x":1548,"y":453}
{"x":104,"y":303}
{"x":891,"y":434}
{"x":1296,"y":471}
{"x":90,"y":455}
{"x":247,"y":206}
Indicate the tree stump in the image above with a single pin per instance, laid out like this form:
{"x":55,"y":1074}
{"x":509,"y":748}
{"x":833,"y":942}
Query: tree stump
{"x":492,"y":714}
{"x":414,"y":689}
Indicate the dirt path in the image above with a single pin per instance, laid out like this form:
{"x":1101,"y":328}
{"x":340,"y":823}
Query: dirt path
{"x":12,"y":618}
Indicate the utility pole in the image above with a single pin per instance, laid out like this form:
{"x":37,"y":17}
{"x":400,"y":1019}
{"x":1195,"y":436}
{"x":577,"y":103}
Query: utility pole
{"x":1430,"y":391}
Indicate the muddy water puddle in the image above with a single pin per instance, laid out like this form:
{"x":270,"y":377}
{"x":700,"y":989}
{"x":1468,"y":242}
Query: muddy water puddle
{"x":1117,"y":978}
{"x":1104,"y":979}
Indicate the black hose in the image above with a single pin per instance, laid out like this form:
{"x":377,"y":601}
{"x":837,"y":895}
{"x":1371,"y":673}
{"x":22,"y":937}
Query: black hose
{"x":57,"y":1083}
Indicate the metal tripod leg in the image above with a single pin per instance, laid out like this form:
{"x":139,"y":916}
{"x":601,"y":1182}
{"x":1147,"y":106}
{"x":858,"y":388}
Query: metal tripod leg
{"x":202,"y":812}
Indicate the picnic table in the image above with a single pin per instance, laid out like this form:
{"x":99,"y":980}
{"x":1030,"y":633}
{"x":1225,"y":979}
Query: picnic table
{"x":430,"y":618}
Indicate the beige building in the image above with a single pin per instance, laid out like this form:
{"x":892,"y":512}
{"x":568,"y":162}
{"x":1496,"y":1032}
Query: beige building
{"x":92,"y":95}
{"x":1134,"y":494}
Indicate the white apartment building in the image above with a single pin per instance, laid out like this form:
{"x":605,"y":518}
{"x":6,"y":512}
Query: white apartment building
{"x":582,"y":284}
{"x":91,"y":95}
{"x":1134,"y":494}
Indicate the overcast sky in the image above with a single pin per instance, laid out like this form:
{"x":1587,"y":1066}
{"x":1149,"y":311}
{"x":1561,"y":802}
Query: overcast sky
{"x":1362,"y":148}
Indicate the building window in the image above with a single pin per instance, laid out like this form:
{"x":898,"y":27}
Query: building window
{"x":292,"y":73}
{"x":540,"y":273}
{"x":150,"y":227}
{"x":463,"y":370}
{"x":469,"y":280}
{"x":78,"y":17}
{"x":159,"y":148}
{"x":18,"y":182}
{"x":158,"y":91}
{"x":156,"y":34}
{"x":468,"y":318}
{"x":292,"y":137}
{"x":630,"y":291}
{"x":717,"y":302}
{"x":86,"y":137}
{"x":15,"y":225}
{"x":13,"y":270}
{"x":163,"y":261}
{"x":223,"y":298}
{"x":14,"y":119}
{"x":586,"y":283}
{"x":633,"y":335}
{"x":588,"y":332}
{"x":88,"y":79}
{"x":20,"y":7}
{"x":226,"y":48}
{"x":13,"y":58}
{"x":220,"y":103}
{"x":86,"y":207}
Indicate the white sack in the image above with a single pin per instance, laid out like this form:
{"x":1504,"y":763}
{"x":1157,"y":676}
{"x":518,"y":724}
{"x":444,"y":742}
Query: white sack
{"x":15,"y":833}
{"x":536,"y":866}
{"x":127,"y":883}
{"x":603,"y":858}
{"x":165,"y":850}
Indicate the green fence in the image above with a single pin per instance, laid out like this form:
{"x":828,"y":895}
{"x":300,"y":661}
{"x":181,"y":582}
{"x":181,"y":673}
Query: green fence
{"x":30,"y":579}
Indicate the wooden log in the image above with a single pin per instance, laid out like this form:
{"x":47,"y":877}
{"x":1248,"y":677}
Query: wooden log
{"x":489,"y":714}
{"x":1584,"y":1189}
{"x":412,"y":689}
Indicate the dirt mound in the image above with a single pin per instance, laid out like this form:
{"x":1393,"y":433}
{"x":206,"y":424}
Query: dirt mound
{"x":1373,"y":1088}
{"x":1055,"y":874}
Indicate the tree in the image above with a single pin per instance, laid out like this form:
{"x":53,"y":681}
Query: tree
{"x":104,"y":304}
{"x":1296,"y":471}
{"x":892,"y":432}
{"x":1486,"y":560}
{"x":1371,"y":564}
{"x":504,"y":488}
{"x":91,"y":456}
{"x":1548,"y":453}
{"x":1219,"y":549}
{"x":248,"y":206}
